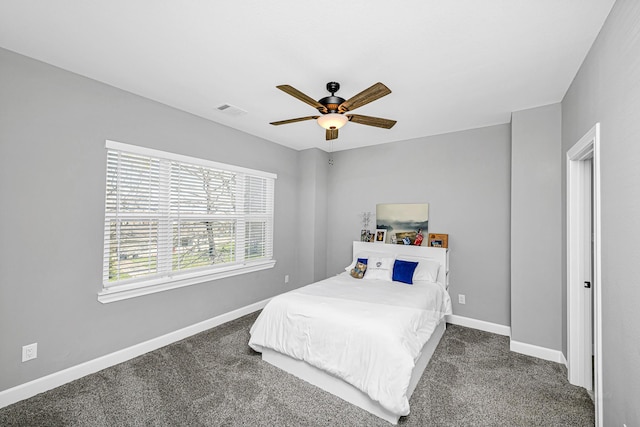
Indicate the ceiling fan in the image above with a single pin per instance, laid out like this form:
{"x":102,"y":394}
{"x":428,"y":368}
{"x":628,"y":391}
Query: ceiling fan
{"x":333,"y":108}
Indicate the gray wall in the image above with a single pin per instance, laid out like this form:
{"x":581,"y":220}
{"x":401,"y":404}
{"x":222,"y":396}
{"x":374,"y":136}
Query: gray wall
{"x":536,"y":227}
{"x":53,"y":126}
{"x":312,"y":212}
{"x":607,"y":90}
{"x":465,"y":178}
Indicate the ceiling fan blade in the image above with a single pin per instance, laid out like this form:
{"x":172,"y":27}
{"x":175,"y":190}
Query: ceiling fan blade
{"x":371,"y":121}
{"x":376,"y":91}
{"x":302,"y":97}
{"x":332,"y":134}
{"x":299,"y":119}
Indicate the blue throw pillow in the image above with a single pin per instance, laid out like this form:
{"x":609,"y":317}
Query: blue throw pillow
{"x":403,"y":271}
{"x":363,"y":260}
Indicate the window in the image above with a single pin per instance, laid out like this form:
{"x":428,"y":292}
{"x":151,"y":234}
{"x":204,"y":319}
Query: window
{"x":173,"y":220}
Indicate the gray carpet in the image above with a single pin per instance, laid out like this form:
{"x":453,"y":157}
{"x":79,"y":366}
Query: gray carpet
{"x":215,"y":379}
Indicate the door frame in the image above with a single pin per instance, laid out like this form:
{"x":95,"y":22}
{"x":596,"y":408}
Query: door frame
{"x":588,"y":147}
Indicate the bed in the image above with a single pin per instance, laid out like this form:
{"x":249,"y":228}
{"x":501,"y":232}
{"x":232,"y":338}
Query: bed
{"x":366,"y":340}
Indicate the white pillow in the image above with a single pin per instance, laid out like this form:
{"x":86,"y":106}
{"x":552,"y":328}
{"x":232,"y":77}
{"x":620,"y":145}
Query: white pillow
{"x":427,"y":269}
{"x":364,"y":254}
{"x":379,"y":268}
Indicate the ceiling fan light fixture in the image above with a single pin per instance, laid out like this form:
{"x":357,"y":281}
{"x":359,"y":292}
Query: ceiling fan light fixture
{"x":332,"y":120}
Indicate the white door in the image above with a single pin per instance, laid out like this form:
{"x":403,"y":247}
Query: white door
{"x":584,"y":325}
{"x":587,"y":276}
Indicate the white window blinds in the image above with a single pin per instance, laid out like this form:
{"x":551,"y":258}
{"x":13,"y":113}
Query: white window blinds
{"x":168,"y":216}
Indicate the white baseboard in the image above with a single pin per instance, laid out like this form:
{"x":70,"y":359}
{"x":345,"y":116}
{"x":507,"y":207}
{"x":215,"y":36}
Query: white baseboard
{"x":515,"y":346}
{"x":537,"y":351}
{"x":26,"y":390}
{"x":479,"y":324}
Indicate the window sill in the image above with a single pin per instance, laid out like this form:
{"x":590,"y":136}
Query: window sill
{"x":118,"y":293}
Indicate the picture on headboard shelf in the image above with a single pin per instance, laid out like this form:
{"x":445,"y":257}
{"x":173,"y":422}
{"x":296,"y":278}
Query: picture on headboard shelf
{"x":438,"y":240}
{"x":381,"y":235}
{"x":405,"y":222}
{"x":366,"y":236}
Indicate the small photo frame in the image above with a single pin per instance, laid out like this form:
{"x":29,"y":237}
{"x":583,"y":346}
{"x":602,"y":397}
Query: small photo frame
{"x":438,"y":240}
{"x":406,"y":237}
{"x":381,"y":235}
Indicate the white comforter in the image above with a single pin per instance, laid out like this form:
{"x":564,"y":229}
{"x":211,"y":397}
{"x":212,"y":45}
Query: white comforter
{"x":367,"y":332}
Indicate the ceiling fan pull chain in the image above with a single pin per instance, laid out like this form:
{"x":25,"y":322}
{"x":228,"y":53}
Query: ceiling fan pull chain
{"x":331,"y":154}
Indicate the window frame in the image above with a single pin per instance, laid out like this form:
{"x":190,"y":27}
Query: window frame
{"x":130,"y":288}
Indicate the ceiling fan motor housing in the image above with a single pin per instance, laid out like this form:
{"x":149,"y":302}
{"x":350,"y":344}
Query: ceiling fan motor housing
{"x":332,"y":102}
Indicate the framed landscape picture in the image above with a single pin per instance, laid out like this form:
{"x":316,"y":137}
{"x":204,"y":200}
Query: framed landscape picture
{"x":403,"y":221}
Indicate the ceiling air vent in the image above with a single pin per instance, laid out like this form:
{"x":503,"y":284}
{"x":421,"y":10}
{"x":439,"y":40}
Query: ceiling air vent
{"x":231,"y":110}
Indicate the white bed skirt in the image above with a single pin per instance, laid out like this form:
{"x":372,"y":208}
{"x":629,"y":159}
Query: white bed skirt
{"x":346,"y":391}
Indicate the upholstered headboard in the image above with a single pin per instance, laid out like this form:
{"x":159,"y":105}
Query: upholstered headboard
{"x":441,"y":255}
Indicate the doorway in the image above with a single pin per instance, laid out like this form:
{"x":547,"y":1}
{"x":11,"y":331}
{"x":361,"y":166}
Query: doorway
{"x":584,"y":285}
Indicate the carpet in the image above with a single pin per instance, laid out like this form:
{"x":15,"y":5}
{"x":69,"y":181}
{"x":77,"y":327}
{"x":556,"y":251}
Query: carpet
{"x":215,"y":379}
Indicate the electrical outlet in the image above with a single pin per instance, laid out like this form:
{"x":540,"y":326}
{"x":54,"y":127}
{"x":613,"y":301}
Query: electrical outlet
{"x":286,"y":278}
{"x":461,"y":299}
{"x":29,"y":351}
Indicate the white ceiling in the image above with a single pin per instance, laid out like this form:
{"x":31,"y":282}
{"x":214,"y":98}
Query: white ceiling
{"x":451,"y":65}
